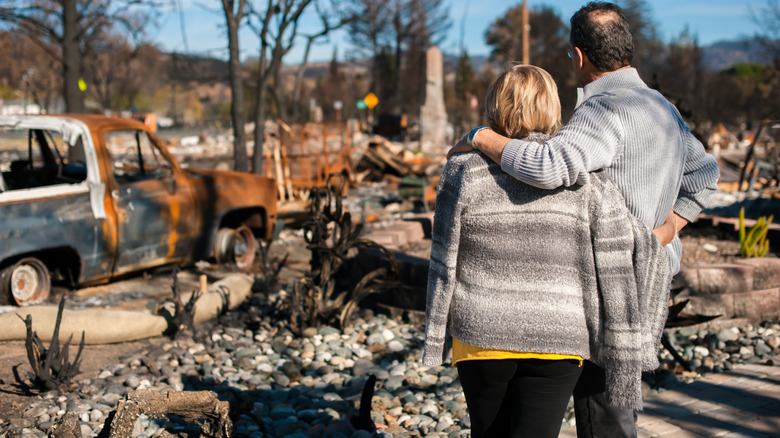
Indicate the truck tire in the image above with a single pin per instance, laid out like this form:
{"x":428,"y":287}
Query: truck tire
{"x":236,"y":246}
{"x":26,"y":281}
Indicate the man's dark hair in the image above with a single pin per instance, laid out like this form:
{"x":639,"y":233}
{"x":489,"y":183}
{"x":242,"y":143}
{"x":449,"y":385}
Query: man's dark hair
{"x":601,"y":31}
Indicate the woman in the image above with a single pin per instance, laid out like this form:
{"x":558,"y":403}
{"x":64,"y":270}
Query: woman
{"x":530,"y":282}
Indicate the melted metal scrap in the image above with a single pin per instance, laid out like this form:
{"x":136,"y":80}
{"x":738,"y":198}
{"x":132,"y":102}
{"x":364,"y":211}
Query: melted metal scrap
{"x":182,"y":320}
{"x":51,"y":367}
{"x":325,"y":293}
{"x":270,"y":267}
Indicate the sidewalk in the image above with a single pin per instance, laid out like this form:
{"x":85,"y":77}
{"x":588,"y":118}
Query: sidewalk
{"x":743,"y":402}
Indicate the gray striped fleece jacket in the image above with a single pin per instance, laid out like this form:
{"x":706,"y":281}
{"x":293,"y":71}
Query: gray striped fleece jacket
{"x":641,"y":141}
{"x":567,"y":271}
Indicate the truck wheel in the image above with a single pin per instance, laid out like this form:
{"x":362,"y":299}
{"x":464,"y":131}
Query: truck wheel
{"x":26,"y":281}
{"x":236,"y":246}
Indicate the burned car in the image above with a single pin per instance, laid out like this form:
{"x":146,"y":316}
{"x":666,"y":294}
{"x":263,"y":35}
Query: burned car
{"x":85,"y":199}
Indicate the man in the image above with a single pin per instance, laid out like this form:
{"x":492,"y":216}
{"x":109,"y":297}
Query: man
{"x":638,"y":138}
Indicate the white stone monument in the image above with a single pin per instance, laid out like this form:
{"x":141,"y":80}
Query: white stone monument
{"x":433,"y":116}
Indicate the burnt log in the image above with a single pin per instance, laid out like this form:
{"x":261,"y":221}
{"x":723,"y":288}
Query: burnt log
{"x":200,"y":407}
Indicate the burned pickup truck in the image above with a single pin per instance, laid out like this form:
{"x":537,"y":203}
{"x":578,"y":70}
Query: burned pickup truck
{"x":85,"y":199}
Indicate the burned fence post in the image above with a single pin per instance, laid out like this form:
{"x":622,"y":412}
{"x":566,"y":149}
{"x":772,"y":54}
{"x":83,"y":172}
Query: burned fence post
{"x":51,"y":367}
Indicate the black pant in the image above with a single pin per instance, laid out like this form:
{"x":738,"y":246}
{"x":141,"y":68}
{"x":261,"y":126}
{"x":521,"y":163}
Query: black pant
{"x":517,"y":397}
{"x":595,"y":418}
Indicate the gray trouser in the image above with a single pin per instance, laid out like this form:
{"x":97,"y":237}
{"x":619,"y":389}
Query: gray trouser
{"x":594,"y":417}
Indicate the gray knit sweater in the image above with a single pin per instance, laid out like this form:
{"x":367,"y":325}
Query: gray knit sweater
{"x":518,"y":268}
{"x":639,"y":138}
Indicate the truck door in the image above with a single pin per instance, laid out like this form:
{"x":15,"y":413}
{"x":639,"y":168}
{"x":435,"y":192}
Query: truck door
{"x":154,"y":206}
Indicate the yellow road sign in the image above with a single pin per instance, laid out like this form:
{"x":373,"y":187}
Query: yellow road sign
{"x":371,"y":100}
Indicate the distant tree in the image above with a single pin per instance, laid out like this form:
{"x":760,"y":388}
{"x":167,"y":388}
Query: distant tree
{"x":385,"y":76}
{"x":369,"y":35}
{"x":549,"y":41}
{"x":395,"y":34}
{"x":648,"y":47}
{"x":28,"y":71}
{"x":505,"y":36}
{"x":185,"y":106}
{"x":771,"y":91}
{"x":120,"y":72}
{"x":276,"y":25}
{"x":725,"y":100}
{"x":345,"y":82}
{"x":767,"y":19}
{"x":335,"y":15}
{"x":416,"y":25}
{"x":755,"y":84}
{"x":66,"y":28}
{"x":765,"y":103}
{"x":145,"y":74}
{"x":107,"y":69}
{"x":409,"y":85}
{"x":682,"y":77}
{"x":330,"y":88}
{"x":464,"y":91}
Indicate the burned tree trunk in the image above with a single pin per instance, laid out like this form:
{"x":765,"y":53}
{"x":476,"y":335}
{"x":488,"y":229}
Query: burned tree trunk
{"x":71,"y":62}
{"x":234,"y":13}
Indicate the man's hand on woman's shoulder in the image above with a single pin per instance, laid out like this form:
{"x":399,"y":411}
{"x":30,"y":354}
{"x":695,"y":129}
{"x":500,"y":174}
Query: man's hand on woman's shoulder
{"x":468,"y":142}
{"x":461,"y":146}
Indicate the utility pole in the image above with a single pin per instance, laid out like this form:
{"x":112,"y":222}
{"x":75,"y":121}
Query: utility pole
{"x":526,"y":59}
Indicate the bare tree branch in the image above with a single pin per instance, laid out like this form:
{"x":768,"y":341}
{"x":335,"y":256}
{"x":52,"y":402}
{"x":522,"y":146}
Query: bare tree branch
{"x":327,"y":27}
{"x":74,"y":26}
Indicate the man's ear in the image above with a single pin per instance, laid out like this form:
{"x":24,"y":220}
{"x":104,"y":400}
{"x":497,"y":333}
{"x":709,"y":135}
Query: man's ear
{"x":580,"y":58}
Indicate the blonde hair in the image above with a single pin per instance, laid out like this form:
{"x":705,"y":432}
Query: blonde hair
{"x":521,"y":100}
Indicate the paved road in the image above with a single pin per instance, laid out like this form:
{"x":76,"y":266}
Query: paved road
{"x":741,"y":403}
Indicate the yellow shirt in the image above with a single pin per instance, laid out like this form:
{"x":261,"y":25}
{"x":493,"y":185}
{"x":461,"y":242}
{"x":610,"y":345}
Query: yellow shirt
{"x":463,"y":351}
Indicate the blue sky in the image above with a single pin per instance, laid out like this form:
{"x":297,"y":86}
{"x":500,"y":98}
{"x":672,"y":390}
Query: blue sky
{"x":708,"y":20}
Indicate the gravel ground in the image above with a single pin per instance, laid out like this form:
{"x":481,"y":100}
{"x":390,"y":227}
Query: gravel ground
{"x":310,"y":386}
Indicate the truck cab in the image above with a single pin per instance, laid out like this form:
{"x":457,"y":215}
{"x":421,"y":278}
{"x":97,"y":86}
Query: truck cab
{"x":85,"y":199}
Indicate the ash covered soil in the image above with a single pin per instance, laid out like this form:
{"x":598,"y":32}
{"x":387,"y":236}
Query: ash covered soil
{"x":706,"y":245}
{"x":310,"y":385}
